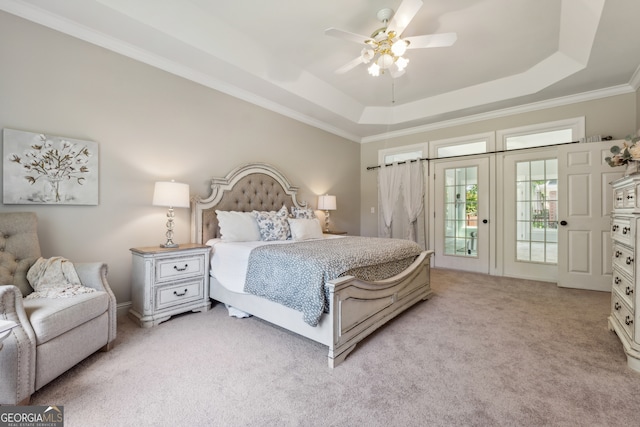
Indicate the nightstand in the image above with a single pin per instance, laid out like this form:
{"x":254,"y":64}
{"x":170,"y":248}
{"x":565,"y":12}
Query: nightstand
{"x":168,"y":281}
{"x":334,"y":232}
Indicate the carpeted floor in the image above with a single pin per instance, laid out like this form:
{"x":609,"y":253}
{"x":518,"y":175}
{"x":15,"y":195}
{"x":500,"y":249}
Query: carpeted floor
{"x":484,"y":351}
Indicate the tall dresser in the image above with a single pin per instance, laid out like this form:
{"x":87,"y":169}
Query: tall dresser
{"x":625,"y":236}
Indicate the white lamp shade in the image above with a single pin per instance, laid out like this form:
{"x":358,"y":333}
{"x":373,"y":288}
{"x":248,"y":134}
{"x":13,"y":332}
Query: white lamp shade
{"x":327,"y":203}
{"x":172,"y":194}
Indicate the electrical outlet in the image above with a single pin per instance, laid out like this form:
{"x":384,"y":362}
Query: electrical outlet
{"x":373,"y":210}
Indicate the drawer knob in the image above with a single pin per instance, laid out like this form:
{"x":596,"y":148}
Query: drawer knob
{"x":628,"y":291}
{"x":615,"y":228}
{"x":625,"y":230}
{"x":617,"y":306}
{"x":175,"y":267}
{"x":628,"y":320}
{"x":629,"y":260}
{"x":629,"y":197}
{"x":617,"y":255}
{"x":617,"y":280}
{"x":182,"y":294}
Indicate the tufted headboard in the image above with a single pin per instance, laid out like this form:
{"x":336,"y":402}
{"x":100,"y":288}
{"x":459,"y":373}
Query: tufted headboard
{"x":254,"y":186}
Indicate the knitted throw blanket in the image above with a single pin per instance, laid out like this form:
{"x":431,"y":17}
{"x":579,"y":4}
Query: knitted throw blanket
{"x":55,"y":278}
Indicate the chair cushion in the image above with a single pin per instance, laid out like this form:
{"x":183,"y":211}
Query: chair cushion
{"x":52,"y":317}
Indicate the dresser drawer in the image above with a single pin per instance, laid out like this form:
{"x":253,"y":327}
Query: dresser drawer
{"x":624,"y":286}
{"x":176,"y":294}
{"x":622,"y":229}
{"x":618,"y":198}
{"x":623,"y":314}
{"x":179,"y":267}
{"x":629,"y":197}
{"x":623,"y":259}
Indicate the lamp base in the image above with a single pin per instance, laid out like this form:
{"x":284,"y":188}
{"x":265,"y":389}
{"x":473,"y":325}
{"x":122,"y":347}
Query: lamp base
{"x":169,"y":245}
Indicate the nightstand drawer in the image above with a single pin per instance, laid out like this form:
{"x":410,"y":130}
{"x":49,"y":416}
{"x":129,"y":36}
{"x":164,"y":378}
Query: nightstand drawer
{"x":177,"y":268}
{"x":169,"y":296}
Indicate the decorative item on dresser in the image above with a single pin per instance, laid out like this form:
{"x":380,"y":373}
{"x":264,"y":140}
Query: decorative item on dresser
{"x":169,"y":281}
{"x":174,"y":195}
{"x":624,"y":293}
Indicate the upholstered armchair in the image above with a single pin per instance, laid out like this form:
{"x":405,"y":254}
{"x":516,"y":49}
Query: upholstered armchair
{"x":53,"y":334}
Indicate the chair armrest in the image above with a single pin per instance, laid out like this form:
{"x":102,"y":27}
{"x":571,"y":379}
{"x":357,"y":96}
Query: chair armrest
{"x":94,"y":275}
{"x":18,"y":354}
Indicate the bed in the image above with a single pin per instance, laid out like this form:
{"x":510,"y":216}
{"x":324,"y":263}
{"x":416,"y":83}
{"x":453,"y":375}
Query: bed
{"x":355,"y":308}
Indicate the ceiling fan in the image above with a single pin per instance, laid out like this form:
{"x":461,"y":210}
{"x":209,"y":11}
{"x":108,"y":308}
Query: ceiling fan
{"x":385,"y":48}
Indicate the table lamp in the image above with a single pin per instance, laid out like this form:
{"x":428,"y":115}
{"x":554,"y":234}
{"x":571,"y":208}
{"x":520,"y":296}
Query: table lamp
{"x":174,"y":195}
{"x":326,"y":203}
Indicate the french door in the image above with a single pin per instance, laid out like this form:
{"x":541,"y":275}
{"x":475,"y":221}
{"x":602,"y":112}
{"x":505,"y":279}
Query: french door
{"x":462,"y":214}
{"x":530,"y":215}
{"x":584,"y":235}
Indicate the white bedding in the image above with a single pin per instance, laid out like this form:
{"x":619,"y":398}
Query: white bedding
{"x":229,"y":260}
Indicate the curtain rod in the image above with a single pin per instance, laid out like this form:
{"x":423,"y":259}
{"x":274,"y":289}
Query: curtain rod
{"x":606,"y":138}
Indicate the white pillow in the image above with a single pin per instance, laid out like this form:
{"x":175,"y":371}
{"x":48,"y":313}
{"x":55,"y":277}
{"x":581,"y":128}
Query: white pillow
{"x":305,"y":229}
{"x":238,"y":226}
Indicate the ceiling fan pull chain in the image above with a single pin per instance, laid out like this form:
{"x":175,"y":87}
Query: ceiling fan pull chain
{"x":393,"y":92}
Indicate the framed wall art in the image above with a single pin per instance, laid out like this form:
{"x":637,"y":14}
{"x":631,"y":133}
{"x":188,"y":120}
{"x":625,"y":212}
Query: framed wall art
{"x":45,"y":169}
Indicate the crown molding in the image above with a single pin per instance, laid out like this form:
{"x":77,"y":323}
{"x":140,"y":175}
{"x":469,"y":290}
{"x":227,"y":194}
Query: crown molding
{"x":526,"y":108}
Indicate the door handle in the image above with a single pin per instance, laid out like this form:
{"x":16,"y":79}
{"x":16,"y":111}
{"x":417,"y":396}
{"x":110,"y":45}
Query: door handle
{"x":484,"y":221}
{"x":563,"y":222}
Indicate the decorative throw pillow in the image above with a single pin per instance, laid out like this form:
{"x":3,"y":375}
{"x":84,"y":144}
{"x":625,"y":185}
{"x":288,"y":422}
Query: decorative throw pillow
{"x":238,"y":226}
{"x":305,"y":229}
{"x":273,"y":225}
{"x":302,"y":212}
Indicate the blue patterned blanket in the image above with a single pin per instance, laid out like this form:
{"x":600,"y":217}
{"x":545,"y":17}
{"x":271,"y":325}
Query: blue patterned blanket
{"x":294,"y":274}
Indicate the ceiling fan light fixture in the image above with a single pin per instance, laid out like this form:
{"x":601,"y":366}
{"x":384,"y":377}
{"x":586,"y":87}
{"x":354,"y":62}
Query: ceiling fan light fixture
{"x":385,"y":48}
{"x":402,"y":63}
{"x":367,"y":55}
{"x":374,"y":70}
{"x":399,"y":47}
{"x":385,"y":61}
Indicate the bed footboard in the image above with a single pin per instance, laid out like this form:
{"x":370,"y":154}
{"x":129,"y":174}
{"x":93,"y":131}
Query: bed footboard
{"x":358,"y":308}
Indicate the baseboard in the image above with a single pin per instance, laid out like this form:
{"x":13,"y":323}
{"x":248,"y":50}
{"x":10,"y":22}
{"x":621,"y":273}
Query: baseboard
{"x":123,"y":308}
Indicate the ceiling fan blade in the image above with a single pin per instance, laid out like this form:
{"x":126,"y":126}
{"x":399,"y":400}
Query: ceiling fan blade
{"x":335,"y":32}
{"x":349,"y":65}
{"x":432,"y":40}
{"x":404,"y":15}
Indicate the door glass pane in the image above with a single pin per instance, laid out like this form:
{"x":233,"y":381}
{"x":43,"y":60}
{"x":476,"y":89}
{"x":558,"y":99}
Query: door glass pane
{"x":461,"y":211}
{"x":537,"y":210}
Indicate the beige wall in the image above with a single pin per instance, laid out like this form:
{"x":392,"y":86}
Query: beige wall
{"x":638,"y":112}
{"x":615,"y":116}
{"x":150,"y":125}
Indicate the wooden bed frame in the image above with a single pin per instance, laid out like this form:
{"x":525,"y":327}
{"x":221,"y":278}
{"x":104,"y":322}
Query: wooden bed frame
{"x":357,"y":308}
